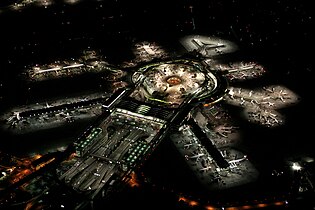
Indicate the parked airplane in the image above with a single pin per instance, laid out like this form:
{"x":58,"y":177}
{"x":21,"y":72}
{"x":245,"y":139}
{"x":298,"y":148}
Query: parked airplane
{"x":197,"y":156}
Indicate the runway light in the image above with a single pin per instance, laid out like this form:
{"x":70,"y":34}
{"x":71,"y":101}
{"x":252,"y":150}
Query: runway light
{"x":262,"y":205}
{"x":210,"y":208}
{"x":279,"y":203}
{"x":232,"y":208}
{"x":246,"y":207}
{"x":193,"y":203}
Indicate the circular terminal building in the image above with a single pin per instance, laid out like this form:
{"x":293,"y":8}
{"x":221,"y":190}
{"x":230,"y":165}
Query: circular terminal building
{"x":171,"y":83}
